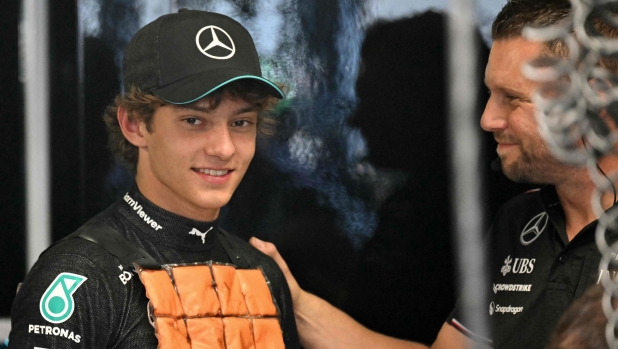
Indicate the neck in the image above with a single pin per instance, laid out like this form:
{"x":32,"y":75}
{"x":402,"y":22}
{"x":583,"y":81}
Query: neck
{"x":575,"y":194}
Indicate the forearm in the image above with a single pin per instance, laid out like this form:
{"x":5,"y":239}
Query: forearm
{"x":322,"y":326}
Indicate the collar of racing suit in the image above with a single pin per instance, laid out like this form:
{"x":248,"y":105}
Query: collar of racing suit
{"x":165,"y":227}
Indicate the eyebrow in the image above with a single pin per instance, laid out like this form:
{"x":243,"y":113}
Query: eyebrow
{"x":507,"y":89}
{"x":512,"y":90}
{"x":208,"y":110}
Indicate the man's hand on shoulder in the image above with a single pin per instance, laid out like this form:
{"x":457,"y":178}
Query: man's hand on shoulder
{"x":323,"y":326}
{"x":270,"y":250}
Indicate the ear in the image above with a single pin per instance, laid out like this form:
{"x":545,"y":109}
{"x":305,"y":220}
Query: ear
{"x":608,"y":116}
{"x":132,"y":128}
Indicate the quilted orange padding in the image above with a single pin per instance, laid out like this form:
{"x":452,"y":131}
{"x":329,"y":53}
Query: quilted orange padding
{"x":160,"y":291}
{"x":255,"y":290}
{"x":212,"y":306}
{"x":267,"y":334}
{"x":230,"y":294}
{"x":172,"y":333}
{"x":195,"y":288}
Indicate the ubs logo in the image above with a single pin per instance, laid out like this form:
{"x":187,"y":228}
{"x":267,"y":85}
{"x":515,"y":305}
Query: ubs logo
{"x":533,"y":229}
{"x":520,"y":265}
{"x":506,"y":268}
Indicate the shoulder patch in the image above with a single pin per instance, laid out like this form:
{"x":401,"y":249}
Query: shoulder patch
{"x":57,"y":303}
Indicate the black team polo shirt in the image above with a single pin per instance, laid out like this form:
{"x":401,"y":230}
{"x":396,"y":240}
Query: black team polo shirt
{"x":535,"y":272}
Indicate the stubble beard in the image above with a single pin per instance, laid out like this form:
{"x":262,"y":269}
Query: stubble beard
{"x":535,"y":167}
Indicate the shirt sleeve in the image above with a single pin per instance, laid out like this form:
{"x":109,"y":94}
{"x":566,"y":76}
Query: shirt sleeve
{"x":456,"y":320}
{"x":65,"y":301}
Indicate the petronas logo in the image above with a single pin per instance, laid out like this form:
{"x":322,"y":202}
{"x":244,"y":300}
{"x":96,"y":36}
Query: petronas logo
{"x":57,"y":303}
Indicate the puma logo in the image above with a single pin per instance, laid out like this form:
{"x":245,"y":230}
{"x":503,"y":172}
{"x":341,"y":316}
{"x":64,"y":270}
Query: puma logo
{"x":200,"y":234}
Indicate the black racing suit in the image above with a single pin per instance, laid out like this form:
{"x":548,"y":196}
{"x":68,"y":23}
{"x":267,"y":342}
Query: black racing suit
{"x":78,"y":295}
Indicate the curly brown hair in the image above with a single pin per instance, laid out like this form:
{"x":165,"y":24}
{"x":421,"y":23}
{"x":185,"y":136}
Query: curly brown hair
{"x":142,"y":106}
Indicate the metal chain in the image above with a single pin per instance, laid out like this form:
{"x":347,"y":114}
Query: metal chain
{"x":573,"y":94}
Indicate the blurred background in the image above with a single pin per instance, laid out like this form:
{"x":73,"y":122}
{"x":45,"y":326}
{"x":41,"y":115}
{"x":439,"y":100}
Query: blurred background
{"x":354,"y":188}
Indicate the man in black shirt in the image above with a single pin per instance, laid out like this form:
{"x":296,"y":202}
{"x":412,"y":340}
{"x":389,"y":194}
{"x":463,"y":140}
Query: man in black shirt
{"x":543,"y":253}
{"x":194,"y":102}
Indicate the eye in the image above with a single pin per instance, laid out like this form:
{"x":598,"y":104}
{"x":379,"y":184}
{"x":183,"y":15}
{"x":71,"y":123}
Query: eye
{"x":511,"y":99}
{"x":241,"y":123}
{"x":193,"y":121}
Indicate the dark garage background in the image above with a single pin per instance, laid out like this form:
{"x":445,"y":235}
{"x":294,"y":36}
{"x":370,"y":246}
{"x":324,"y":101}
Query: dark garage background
{"x":397,"y":279}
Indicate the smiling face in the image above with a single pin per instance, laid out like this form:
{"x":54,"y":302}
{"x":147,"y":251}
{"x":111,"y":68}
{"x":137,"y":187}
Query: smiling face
{"x":194,"y":158}
{"x":510,"y":114}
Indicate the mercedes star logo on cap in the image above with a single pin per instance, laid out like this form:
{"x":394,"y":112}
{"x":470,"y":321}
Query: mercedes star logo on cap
{"x":215,"y":43}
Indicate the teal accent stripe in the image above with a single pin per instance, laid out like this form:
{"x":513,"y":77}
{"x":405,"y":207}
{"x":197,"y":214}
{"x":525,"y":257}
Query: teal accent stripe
{"x":227,"y":82}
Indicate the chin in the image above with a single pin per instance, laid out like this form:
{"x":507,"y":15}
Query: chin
{"x":212,"y":201}
{"x":522,"y":175}
{"x":514,"y":173}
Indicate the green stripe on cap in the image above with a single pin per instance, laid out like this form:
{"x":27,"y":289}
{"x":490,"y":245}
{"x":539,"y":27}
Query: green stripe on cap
{"x":227,"y":82}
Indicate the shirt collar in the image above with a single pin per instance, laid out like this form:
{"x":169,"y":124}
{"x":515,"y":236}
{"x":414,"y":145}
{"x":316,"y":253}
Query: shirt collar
{"x":549,"y":199}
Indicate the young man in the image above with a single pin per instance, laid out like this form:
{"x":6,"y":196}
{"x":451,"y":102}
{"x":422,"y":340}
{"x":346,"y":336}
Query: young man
{"x":154,"y":269}
{"x":543,"y":252}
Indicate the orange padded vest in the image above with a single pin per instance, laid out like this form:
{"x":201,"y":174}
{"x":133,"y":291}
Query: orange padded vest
{"x":211,"y":306}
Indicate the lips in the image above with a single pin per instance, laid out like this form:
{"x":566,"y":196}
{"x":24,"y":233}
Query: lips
{"x":214,"y":176}
{"x":210,"y":172}
{"x":504,"y":146}
{"x":505,"y":141}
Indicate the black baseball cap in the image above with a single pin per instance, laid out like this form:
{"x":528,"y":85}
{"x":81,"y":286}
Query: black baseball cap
{"x":182,"y":57}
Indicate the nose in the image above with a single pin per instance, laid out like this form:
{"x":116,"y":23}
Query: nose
{"x":219,"y":143}
{"x":494,"y":117}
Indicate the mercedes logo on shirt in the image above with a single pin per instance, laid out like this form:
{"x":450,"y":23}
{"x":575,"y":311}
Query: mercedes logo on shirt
{"x":214,"y":33}
{"x":534,"y":228}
